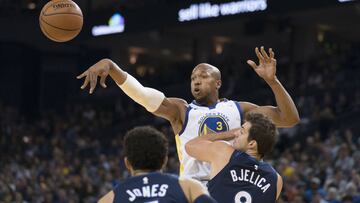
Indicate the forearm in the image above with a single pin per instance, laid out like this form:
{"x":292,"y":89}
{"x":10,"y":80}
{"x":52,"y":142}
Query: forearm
{"x":206,"y":147}
{"x":227,"y":135}
{"x":284,"y":102}
{"x":116,"y":73}
{"x":147,"y":97}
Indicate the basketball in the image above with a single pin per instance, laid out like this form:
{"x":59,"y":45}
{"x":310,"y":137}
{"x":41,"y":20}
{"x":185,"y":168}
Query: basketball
{"x":61,"y":20}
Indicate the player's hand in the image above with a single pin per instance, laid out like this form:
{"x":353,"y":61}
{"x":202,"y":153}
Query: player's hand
{"x":267,"y":64}
{"x":100,"y":69}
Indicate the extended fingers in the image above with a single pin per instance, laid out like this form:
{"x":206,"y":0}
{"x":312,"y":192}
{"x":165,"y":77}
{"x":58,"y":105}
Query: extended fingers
{"x":82,"y":75}
{"x":252,"y":64}
{"x":258,"y":54}
{"x":93,"y":82}
{"x":272,"y":54}
{"x":102,"y":81}
{"x":86,"y":82}
{"x":264,"y":54}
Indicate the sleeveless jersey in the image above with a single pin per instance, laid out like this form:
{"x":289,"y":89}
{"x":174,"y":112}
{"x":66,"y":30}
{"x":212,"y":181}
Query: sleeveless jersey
{"x":244,"y":180}
{"x":223,"y":116}
{"x":150,"y":188}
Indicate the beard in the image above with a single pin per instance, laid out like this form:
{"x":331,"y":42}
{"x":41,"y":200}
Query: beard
{"x":201,"y":99}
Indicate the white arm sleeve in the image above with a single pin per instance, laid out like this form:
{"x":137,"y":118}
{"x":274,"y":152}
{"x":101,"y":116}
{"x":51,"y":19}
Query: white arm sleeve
{"x":147,"y":97}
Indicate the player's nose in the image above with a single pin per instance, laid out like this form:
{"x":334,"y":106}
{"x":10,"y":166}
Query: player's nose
{"x":197,"y":82}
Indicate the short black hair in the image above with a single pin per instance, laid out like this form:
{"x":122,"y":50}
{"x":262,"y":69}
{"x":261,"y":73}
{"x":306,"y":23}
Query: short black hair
{"x":263,"y":131}
{"x":145,"y":148}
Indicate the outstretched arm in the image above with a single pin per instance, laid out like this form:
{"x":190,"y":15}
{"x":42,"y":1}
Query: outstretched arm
{"x":285,"y":113}
{"x":153,"y":100}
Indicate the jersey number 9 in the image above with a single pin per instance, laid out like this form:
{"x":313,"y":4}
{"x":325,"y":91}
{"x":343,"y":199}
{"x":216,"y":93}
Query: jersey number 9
{"x":243,"y":197}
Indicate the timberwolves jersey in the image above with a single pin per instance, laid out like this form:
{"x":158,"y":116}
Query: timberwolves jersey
{"x":223,"y":116}
{"x":150,"y":188}
{"x":244,"y":180}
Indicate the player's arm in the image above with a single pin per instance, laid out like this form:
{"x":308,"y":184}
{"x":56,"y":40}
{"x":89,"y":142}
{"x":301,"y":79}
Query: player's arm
{"x":108,"y":198}
{"x":285,"y":114}
{"x":153,"y":100}
{"x":279,"y":186}
{"x":194,"y":191}
{"x":207,"y":147}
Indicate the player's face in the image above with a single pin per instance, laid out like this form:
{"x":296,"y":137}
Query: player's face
{"x":203,"y":83}
{"x":241,"y":140}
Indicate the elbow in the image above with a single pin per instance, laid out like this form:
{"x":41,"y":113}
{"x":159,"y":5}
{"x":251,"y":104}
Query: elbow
{"x":107,"y":60}
{"x":297,"y":119}
{"x":294,"y":120}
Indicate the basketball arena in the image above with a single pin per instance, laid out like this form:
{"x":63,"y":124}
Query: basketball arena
{"x":60,"y":144}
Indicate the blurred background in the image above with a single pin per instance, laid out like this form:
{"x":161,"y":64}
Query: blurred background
{"x":60,"y":144}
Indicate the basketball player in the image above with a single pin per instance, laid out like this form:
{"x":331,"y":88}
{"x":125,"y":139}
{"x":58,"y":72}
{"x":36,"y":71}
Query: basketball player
{"x":145,"y":155}
{"x":238,"y":173}
{"x":206,"y":113}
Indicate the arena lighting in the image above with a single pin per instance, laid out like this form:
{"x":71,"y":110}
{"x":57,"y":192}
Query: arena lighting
{"x":208,"y":10}
{"x":342,"y":1}
{"x":116,"y":25}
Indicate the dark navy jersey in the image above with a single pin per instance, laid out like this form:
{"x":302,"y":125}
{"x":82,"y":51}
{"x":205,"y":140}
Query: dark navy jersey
{"x":150,"y":188}
{"x":244,"y":180}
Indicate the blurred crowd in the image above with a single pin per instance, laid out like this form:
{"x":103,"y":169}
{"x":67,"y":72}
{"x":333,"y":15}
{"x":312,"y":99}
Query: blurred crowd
{"x":321,"y":171}
{"x":72,"y":157}
{"x":75,"y":154}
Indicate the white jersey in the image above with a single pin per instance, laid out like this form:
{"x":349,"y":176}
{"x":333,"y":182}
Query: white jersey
{"x":223,"y":116}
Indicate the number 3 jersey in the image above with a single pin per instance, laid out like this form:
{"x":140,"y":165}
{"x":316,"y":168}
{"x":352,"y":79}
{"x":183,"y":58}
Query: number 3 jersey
{"x":223,"y":116}
{"x":244,"y":180}
{"x":150,"y":188}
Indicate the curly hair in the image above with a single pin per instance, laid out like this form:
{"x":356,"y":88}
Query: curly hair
{"x":263,"y":131}
{"x":146,"y":148}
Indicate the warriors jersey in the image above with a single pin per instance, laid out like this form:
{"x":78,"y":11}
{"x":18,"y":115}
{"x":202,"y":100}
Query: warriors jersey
{"x":150,"y":188}
{"x":223,"y":116}
{"x":244,"y":179}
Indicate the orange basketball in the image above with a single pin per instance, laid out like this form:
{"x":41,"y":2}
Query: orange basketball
{"x":61,"y":20}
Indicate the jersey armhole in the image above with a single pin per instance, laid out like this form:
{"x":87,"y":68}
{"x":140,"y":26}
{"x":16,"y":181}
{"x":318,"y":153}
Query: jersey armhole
{"x":238,"y":106}
{"x":186,"y":120}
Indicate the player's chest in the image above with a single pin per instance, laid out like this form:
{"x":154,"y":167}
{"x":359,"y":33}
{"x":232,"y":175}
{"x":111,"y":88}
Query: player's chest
{"x":205,"y":121}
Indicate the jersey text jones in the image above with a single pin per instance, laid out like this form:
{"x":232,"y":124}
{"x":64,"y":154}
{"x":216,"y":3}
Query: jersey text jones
{"x":155,"y":190}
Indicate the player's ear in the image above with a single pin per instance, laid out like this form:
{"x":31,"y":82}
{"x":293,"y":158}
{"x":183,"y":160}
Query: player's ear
{"x":252,"y":145}
{"x":128,"y":164}
{"x":218,"y":84}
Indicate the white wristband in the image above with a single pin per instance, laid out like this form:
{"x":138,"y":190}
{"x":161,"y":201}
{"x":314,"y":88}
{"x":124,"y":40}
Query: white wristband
{"x":147,"y":97}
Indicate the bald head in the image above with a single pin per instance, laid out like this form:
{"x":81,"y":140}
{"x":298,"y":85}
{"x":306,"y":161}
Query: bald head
{"x":205,"y":84}
{"x":214,"y":72}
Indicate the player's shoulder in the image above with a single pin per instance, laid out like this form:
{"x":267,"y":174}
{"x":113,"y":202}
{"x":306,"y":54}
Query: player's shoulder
{"x":178,"y":101}
{"x":247,"y":106}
